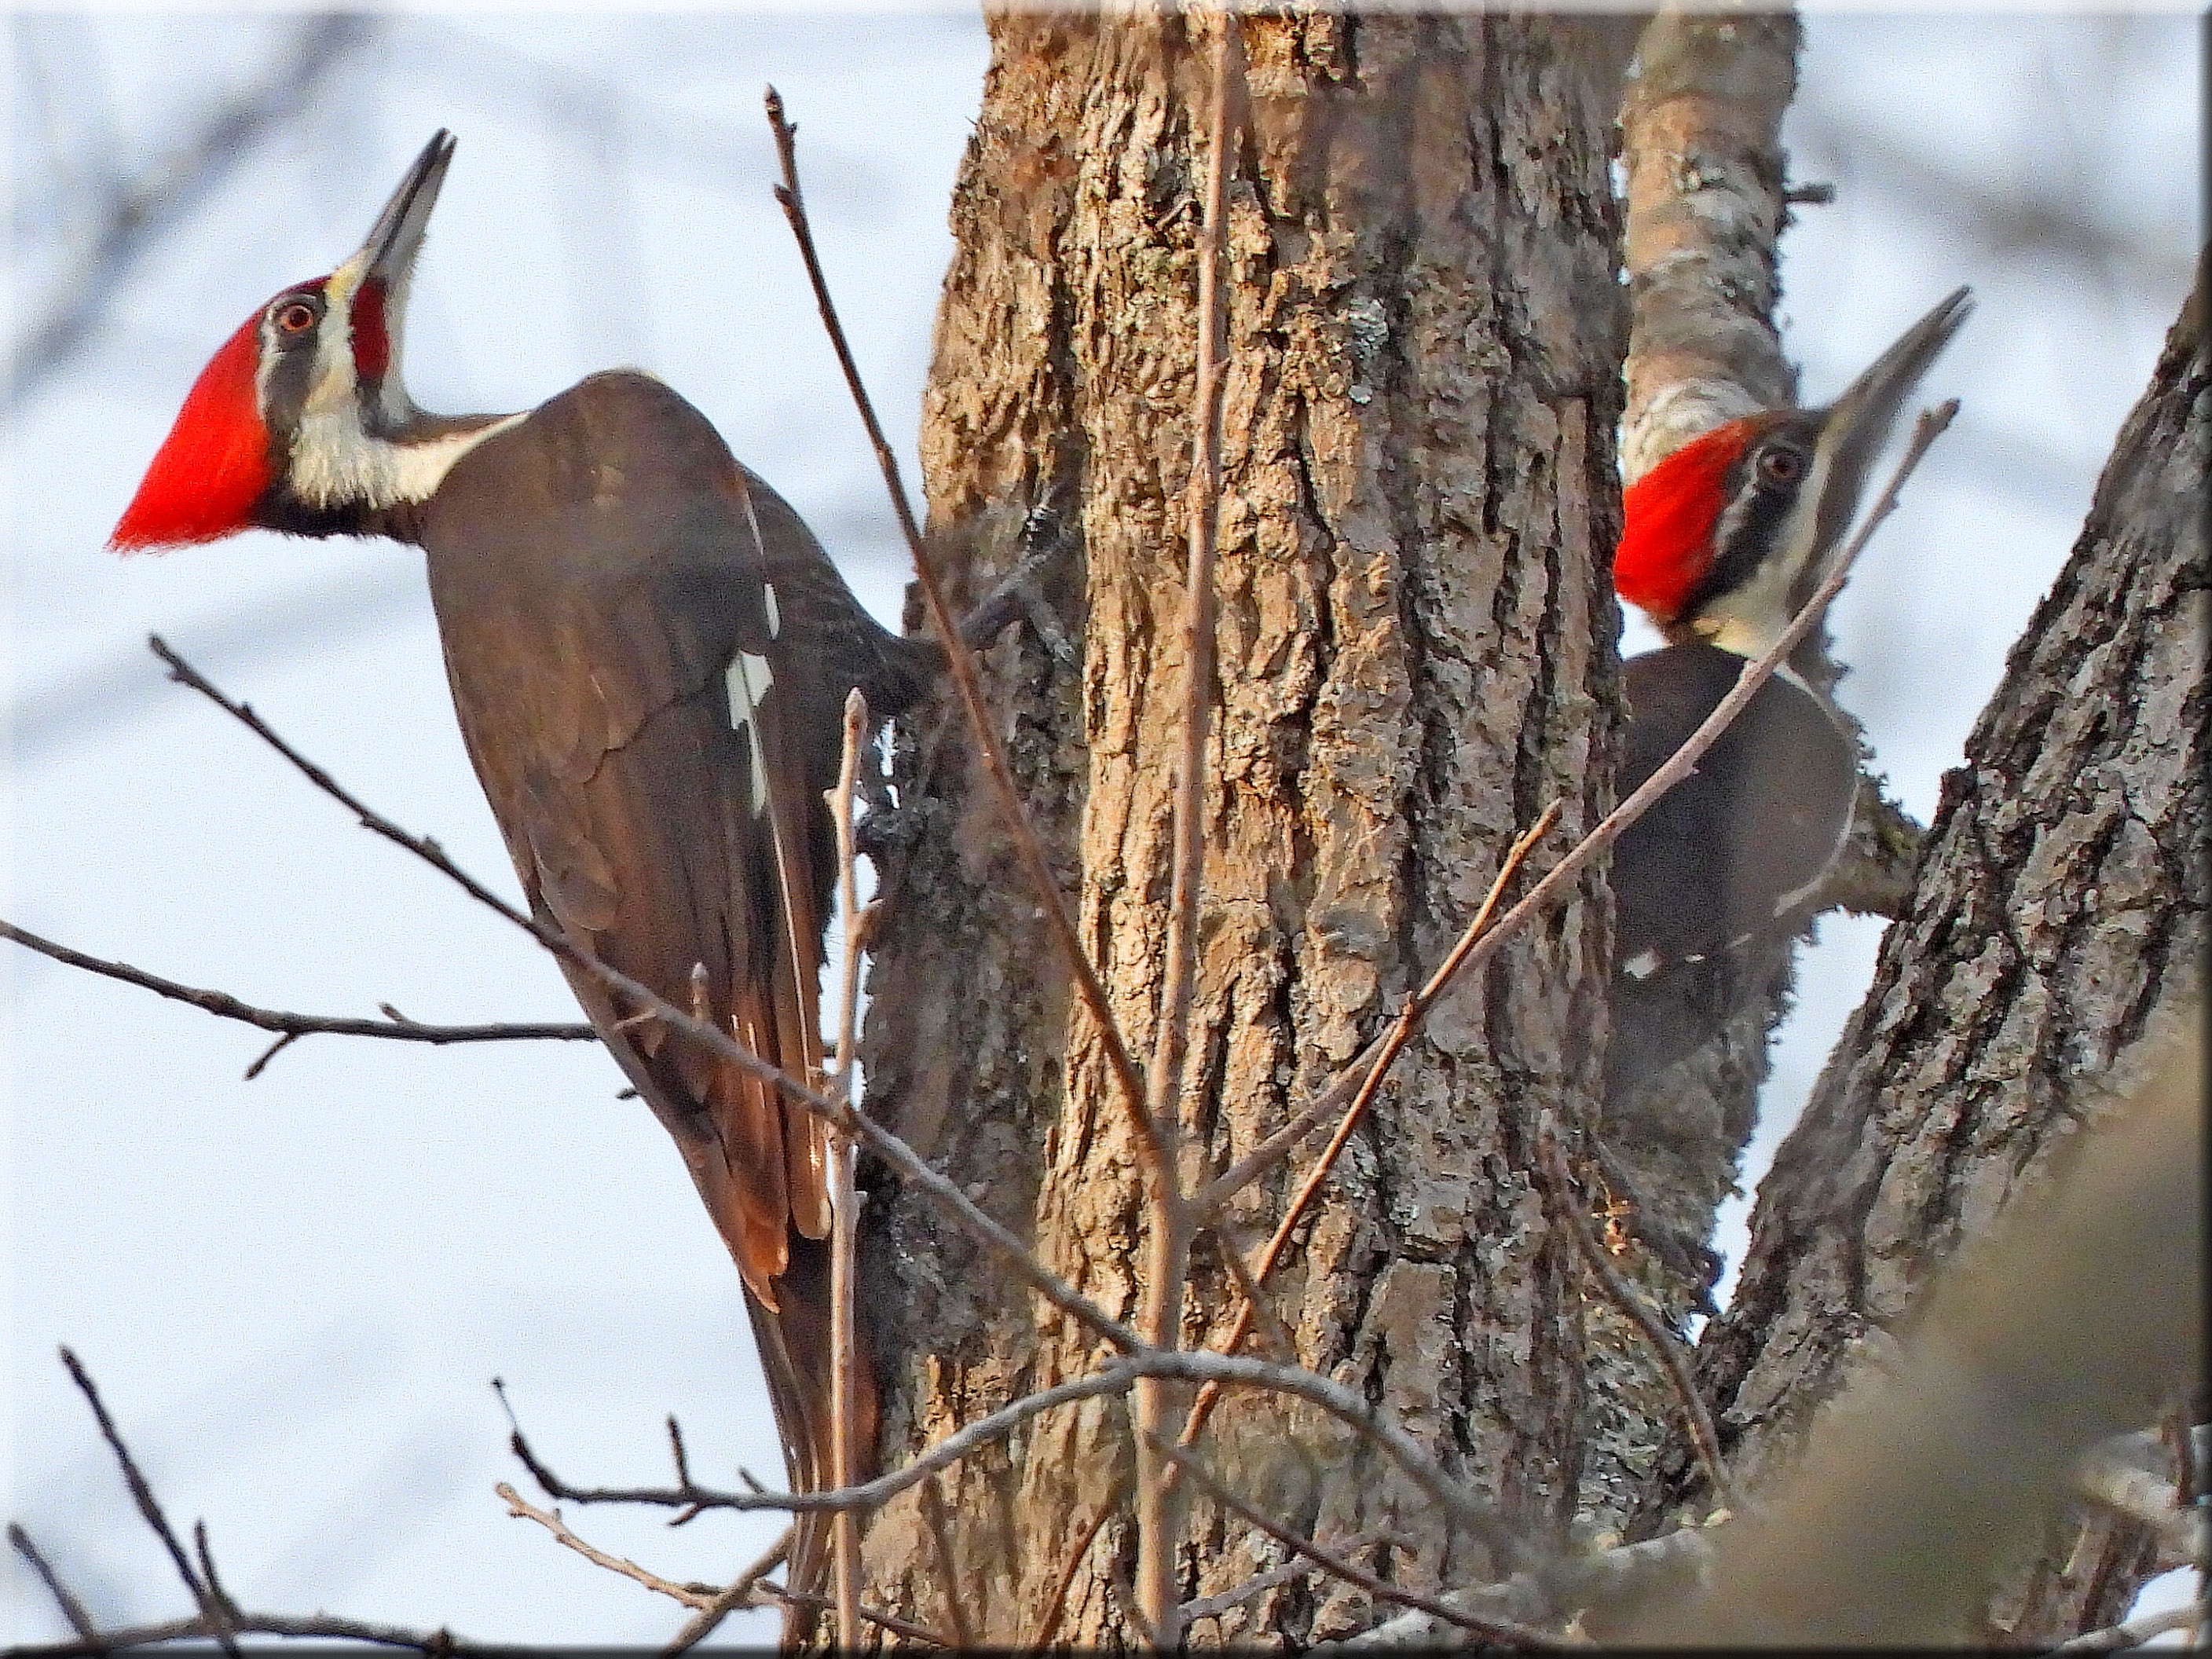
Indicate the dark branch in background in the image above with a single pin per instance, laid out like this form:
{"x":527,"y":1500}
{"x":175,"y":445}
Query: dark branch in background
{"x":169,"y":192}
{"x":394,"y":1025}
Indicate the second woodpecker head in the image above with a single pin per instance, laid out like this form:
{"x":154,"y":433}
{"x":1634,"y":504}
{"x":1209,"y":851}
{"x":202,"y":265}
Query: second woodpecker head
{"x":300,"y":421}
{"x":1727,"y":537}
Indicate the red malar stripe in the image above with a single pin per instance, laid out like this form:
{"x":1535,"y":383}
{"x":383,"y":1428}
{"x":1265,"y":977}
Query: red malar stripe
{"x":371,"y":345}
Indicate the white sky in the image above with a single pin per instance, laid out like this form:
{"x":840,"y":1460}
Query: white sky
{"x":292,"y":1293}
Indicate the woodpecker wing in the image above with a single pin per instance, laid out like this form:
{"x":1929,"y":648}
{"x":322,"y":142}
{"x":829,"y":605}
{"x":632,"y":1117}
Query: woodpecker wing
{"x":1737,"y":845}
{"x":613,"y":640}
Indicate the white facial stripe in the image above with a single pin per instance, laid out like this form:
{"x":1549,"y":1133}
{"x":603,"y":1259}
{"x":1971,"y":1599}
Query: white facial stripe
{"x":749,"y":682}
{"x":334,"y":462}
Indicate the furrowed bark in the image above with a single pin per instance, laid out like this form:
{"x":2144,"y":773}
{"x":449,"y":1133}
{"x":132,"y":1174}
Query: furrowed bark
{"x":1700,"y":125}
{"x":2057,"y":928}
{"x":1423,"y":344}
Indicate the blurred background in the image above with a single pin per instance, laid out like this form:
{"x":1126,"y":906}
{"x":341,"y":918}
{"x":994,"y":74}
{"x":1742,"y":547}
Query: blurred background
{"x":293,"y":1292}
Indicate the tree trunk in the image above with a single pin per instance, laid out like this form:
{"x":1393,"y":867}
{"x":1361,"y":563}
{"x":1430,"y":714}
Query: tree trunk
{"x":2056,"y":928}
{"x":1415,"y":653}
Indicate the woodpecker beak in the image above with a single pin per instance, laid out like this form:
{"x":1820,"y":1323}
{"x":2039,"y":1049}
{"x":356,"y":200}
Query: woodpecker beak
{"x":1858,"y":424}
{"x":388,"y":255}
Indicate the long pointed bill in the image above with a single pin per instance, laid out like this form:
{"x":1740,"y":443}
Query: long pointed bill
{"x":389,"y":253}
{"x":1857,"y":425}
{"x":370,"y":290}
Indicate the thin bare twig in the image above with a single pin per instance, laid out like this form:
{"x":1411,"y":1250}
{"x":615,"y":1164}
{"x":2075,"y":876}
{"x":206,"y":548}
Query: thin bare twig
{"x":890,"y":1621}
{"x":1331,"y":1562}
{"x":212,"y":1608}
{"x":1409,"y":1019}
{"x":1048,"y":1626}
{"x":845,"y":1195}
{"x":948,"y":1563}
{"x":72,"y":1609}
{"x":1556,"y":1589}
{"x":317,"y":1626}
{"x":961,"y":664}
{"x":1673,"y":1358}
{"x":1160,"y":1505}
{"x":217,"y":1593}
{"x":1298,"y":1566}
{"x":695,"y":1596}
{"x":738,"y":1595}
{"x":224,"y":1005}
{"x":1184,"y":1364}
{"x":1593,"y":846}
{"x":894,"y":1151}
{"x":701,"y":1598}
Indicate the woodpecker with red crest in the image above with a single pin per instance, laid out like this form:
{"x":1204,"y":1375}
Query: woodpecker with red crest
{"x":1723,"y":542}
{"x":649,"y":655}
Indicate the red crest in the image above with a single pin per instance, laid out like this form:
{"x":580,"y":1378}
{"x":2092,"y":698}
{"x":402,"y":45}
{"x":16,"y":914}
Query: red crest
{"x":214,"y":464}
{"x":1666,"y":522}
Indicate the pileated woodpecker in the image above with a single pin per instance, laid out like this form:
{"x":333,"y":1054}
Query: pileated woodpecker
{"x":1722,"y":542}
{"x":649,"y":655}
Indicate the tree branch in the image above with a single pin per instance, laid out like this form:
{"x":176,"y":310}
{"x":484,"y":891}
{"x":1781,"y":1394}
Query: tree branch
{"x":1330,"y":1561}
{"x":394,"y":1025}
{"x":1160,"y":1504}
{"x":894,"y":1151}
{"x":72,"y":1608}
{"x":214,"y":1615}
{"x":1185,"y":1365}
{"x":844,"y":1198}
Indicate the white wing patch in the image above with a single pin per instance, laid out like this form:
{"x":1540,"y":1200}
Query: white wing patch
{"x":774,"y":616}
{"x":750,"y":683}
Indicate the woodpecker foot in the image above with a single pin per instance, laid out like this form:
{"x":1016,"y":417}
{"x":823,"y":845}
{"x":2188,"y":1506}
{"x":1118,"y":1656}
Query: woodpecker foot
{"x":1020,"y":597}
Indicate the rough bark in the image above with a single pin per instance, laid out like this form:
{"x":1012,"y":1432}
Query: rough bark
{"x":1415,"y":640}
{"x":2057,"y":927}
{"x":1701,"y":130}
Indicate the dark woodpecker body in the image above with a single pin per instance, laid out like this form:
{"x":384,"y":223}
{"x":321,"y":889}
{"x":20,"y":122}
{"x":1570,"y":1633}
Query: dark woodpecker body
{"x":649,"y":655}
{"x":1723,"y":542}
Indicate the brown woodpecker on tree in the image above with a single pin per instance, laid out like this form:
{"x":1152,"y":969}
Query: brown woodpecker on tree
{"x":649,"y":655}
{"x":1723,"y":542}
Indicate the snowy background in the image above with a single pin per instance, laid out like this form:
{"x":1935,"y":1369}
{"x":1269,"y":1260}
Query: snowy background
{"x":293,"y":1292}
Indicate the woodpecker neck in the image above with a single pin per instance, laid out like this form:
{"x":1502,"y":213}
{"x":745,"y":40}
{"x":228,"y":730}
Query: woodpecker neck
{"x":344,"y":476}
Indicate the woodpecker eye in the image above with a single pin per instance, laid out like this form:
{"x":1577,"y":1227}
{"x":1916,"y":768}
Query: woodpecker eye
{"x":1782,"y":466}
{"x":296,"y":317}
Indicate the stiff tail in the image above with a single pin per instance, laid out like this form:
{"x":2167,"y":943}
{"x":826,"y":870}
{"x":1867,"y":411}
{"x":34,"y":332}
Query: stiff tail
{"x":793,"y":1338}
